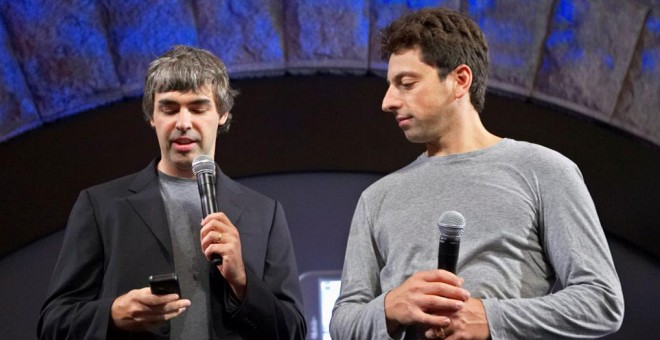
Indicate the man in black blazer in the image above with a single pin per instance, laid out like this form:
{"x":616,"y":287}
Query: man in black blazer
{"x":121,"y":232}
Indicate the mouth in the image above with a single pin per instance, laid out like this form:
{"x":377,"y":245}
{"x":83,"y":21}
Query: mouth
{"x":403,"y":120}
{"x":183,"y":144}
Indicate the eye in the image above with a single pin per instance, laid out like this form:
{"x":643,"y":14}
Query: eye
{"x":407,"y":85}
{"x":198,"y":110}
{"x":169,"y":110}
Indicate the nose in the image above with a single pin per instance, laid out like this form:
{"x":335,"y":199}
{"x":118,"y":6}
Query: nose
{"x":183,"y":121}
{"x":391,"y":101}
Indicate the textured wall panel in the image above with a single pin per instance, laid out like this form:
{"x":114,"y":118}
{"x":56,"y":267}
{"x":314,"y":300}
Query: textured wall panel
{"x":64,"y":55}
{"x":17,"y":111}
{"x":330,"y":35}
{"x":587,"y":54}
{"x":515,"y":40}
{"x":247,"y":35}
{"x":383,"y":12}
{"x":74,"y":55}
{"x":141,"y":30}
{"x":638,"y":109}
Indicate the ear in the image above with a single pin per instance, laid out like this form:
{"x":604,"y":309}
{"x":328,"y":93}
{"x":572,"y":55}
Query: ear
{"x":463,"y":75}
{"x":223,"y":118}
{"x":151,"y":122}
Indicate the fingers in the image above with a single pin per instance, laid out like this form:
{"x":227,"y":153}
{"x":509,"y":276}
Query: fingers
{"x":424,"y":308}
{"x":439,"y":275}
{"x":142,"y":301}
{"x":217,"y":228}
{"x":406,"y":312}
{"x":219,"y":217}
{"x":212,"y":238}
{"x":140,"y":310}
{"x":432,"y":320}
{"x":426,"y":298}
{"x":144,"y":296}
{"x":438,"y":283}
{"x":437,"y":333}
{"x":448,"y":294}
{"x":440,"y":305}
{"x":470,"y":322}
{"x":219,"y":236}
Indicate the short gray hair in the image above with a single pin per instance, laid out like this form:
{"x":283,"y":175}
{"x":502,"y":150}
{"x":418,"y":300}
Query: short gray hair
{"x":185,"y":69}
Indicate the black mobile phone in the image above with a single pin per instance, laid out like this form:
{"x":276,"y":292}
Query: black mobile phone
{"x":164,"y":284}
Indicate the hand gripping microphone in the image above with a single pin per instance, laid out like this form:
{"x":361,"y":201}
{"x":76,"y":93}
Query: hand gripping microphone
{"x":451,"y":224}
{"x":204,"y":168}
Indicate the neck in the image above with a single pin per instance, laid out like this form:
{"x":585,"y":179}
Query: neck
{"x":184,"y":172}
{"x":466,"y":134}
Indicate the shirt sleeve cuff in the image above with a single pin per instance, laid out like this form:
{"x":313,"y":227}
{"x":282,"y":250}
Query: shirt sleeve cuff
{"x":495,"y":318}
{"x":382,"y":321}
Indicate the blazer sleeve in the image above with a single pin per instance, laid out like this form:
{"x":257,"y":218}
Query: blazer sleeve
{"x":273,"y":302}
{"x":72,"y":309}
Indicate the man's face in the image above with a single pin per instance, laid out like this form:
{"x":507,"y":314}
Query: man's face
{"x":422,"y":104}
{"x":186,"y":125}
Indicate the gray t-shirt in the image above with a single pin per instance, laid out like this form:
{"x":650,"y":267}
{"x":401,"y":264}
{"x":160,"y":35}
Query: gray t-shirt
{"x":184,"y":214}
{"x":531,"y":223}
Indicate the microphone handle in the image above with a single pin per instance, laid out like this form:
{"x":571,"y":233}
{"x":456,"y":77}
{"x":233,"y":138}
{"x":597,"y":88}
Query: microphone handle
{"x":207,"y":191}
{"x":209,"y":204}
{"x":448,"y":254}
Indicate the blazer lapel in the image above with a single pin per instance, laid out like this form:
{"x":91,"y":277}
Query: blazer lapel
{"x":228,"y":196}
{"x":148,"y":204}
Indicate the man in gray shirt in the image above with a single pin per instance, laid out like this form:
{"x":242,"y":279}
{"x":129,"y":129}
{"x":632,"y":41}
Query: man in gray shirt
{"x":533,"y":261}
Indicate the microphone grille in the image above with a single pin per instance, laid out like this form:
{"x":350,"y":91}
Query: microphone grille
{"x":203,"y":164}
{"x":451,"y":224}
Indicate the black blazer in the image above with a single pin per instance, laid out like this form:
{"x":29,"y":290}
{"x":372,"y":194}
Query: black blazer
{"x":117,"y":235}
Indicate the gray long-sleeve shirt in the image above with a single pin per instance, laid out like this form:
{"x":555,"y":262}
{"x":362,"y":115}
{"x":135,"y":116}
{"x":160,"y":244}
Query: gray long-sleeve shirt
{"x":531,"y":225}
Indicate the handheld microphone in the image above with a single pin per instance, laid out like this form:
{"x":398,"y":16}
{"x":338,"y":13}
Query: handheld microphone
{"x":204,"y":168}
{"x":451,"y":224}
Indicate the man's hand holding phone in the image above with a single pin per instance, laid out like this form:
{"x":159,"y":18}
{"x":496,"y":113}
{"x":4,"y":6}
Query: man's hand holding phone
{"x":141,"y":309}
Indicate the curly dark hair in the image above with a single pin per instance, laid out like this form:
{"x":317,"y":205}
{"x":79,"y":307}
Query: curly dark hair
{"x":185,"y":68}
{"x":446,"y":39}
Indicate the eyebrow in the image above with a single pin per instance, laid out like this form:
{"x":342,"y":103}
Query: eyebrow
{"x":200,"y":101}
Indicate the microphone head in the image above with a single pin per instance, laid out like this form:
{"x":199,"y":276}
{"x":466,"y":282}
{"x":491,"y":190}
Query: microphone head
{"x":203,"y":164}
{"x":451,"y":224}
